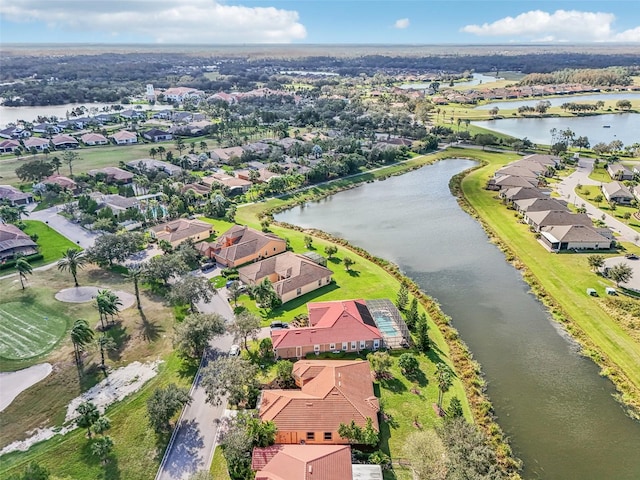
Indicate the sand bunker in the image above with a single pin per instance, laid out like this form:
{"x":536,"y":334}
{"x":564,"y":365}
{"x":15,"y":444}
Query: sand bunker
{"x":119,"y":384}
{"x":14,"y":383}
{"x":86,"y":294}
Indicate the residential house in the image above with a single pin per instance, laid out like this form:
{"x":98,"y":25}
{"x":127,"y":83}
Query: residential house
{"x":157,"y":135}
{"x":345,"y":325}
{"x":332,"y":392}
{"x":14,"y":196}
{"x":540,"y":205}
{"x":177,"y":231}
{"x":225,"y":155}
{"x":118,"y":203}
{"x":198,"y":188}
{"x":14,"y":241}
{"x":297,"y":462}
{"x":14,"y":132}
{"x":104,"y":118}
{"x":263,"y":175}
{"x":520,"y":193}
{"x":94,"y":139}
{"x":235,"y":185}
{"x":617,"y":171}
{"x":532,"y":171}
{"x":242,"y":244}
{"x":225,"y":97}
{"x":180,"y":94}
{"x":124,"y":137}
{"x":64,"y":141}
{"x":510,"y":181}
{"x":133,"y":114}
{"x":546,"y":160}
{"x":162,"y":114}
{"x":617,"y":192}
{"x":291,"y":275}
{"x":547,"y":218}
{"x":46,"y":128}
{"x":9,"y":146}
{"x":64,"y":182}
{"x":38,"y":143}
{"x":113,"y":175}
{"x":573,"y":237}
{"x":149,"y":164}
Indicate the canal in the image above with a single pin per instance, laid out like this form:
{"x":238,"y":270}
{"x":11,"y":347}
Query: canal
{"x":558,"y":412}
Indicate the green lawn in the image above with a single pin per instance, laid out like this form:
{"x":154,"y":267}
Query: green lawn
{"x":51,"y":244}
{"x":600,"y":174}
{"x":564,"y":277}
{"x":29,"y":329}
{"x":589,"y":192}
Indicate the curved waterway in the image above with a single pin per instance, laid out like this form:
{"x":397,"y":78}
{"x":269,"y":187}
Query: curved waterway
{"x":559,"y":413}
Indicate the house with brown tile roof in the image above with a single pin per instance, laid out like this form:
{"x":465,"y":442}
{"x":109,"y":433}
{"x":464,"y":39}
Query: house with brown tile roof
{"x":64,"y":182}
{"x":225,"y":154}
{"x":332,"y":392}
{"x":234,"y":184}
{"x":540,"y":205}
{"x":510,"y":181}
{"x":514,"y":194}
{"x":241,"y":244}
{"x":617,"y":192}
{"x":264,"y":174}
{"x":38,"y":143}
{"x":8,"y":146}
{"x":64,"y":141}
{"x":114,"y":174}
{"x":291,"y":275}
{"x":344,"y":325}
{"x":14,"y":241}
{"x":94,"y":139}
{"x":124,"y":137}
{"x":14,"y":196}
{"x":180,"y":230}
{"x":302,"y":462}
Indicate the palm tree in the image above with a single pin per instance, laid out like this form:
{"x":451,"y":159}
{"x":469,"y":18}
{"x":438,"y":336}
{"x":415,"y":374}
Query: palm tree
{"x":107,"y":303}
{"x":23,"y":268}
{"x":135,"y":274}
{"x":81,"y":335}
{"x":21,"y":210}
{"x":71,"y":261}
{"x":444,"y":379}
{"x":161,"y":151}
{"x":105,"y":342}
{"x":153,"y":152}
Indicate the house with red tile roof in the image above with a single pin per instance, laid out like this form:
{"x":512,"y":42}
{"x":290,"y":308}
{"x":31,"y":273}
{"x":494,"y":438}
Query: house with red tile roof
{"x":302,"y":462}
{"x":124,"y":137}
{"x":291,"y":275}
{"x":94,"y":139}
{"x":37,"y":143}
{"x":332,"y":392}
{"x":180,"y":230}
{"x":241,"y":244}
{"x":8,"y":146}
{"x":64,"y":141}
{"x":64,"y":182}
{"x":344,"y":325}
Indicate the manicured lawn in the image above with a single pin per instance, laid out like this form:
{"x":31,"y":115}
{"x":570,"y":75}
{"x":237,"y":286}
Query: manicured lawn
{"x":219,"y":469}
{"x":600,"y":174}
{"x":589,"y":192}
{"x":565,"y":276}
{"x":51,"y":244}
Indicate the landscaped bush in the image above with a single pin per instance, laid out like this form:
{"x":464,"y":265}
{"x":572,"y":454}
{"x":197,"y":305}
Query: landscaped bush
{"x":30,"y":258}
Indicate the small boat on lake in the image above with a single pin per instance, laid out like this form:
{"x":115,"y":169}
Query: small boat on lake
{"x":606,"y":126}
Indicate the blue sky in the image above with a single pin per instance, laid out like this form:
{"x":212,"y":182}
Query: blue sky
{"x":318,"y":21}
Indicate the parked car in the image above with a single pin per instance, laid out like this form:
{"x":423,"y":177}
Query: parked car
{"x":234,"y":351}
{"x":205,"y":267}
{"x":279,"y":325}
{"x":631,"y":256}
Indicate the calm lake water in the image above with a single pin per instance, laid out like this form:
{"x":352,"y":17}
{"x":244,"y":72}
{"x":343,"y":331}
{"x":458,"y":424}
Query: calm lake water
{"x":478,"y":78}
{"x":557,"y":101}
{"x":29,"y":114}
{"x":622,"y":126}
{"x":559,"y":413}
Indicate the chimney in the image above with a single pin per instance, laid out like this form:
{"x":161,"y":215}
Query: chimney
{"x":310,"y":469}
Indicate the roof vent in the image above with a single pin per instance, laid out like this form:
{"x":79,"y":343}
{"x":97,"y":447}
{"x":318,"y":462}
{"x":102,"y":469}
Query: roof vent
{"x":309,"y":404}
{"x":311,"y":469}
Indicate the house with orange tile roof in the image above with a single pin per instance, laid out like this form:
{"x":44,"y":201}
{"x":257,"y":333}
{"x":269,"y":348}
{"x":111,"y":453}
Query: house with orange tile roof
{"x":296,"y":462}
{"x":332,"y":392}
{"x":291,"y":275}
{"x":344,"y":325}
{"x":241,"y":244}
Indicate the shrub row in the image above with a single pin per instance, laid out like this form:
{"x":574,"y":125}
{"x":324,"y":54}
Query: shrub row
{"x":12,"y":263}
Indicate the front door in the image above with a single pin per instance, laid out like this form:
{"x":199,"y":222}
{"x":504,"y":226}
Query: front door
{"x":299,"y":352}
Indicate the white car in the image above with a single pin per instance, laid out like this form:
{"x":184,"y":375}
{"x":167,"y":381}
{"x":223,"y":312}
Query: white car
{"x":234,"y":351}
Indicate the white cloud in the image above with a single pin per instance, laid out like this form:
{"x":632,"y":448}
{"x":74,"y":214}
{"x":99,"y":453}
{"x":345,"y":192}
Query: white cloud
{"x":560,"y":26}
{"x":168,"y":21}
{"x":401,"y":23}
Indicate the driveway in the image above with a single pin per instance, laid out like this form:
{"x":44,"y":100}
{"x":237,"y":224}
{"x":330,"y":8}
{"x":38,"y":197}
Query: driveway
{"x":566,"y":189}
{"x":195,"y":439}
{"x":72,"y":231}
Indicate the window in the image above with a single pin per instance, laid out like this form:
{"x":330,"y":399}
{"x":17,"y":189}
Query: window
{"x":327,"y":435}
{"x":353,"y":345}
{"x":316,"y":348}
{"x":320,"y":282}
{"x":332,"y":346}
{"x":299,"y":291}
{"x":311,"y":435}
{"x":376,"y":344}
{"x":363,"y":344}
{"x":345,"y":346}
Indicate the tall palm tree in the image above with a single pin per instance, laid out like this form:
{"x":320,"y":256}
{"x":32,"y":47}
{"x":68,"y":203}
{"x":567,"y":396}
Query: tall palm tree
{"x":71,"y":261}
{"x":105,"y":342}
{"x":107,"y":303}
{"x":135,"y":274}
{"x":21,"y":210}
{"x":81,"y":335}
{"x":23,"y":268}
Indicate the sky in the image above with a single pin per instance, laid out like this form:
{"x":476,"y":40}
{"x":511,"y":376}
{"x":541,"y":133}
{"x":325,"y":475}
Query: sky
{"x":319,"y":21}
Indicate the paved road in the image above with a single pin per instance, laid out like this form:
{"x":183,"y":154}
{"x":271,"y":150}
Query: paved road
{"x":72,"y":231}
{"x":566,"y":189}
{"x":195,"y":439}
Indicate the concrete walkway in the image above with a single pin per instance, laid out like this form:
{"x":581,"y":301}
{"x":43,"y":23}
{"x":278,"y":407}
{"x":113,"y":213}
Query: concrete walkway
{"x":566,"y":189}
